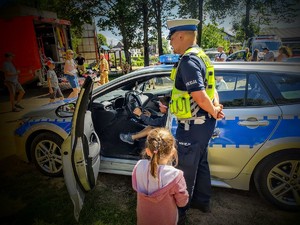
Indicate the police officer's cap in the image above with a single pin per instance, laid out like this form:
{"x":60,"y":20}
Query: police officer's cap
{"x":181,"y":25}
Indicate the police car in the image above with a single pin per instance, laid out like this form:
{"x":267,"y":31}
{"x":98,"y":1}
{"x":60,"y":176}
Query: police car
{"x":256,"y":145}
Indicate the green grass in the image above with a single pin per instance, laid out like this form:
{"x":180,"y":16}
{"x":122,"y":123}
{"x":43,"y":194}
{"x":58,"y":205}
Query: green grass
{"x":27,"y":197}
{"x":30,"y":198}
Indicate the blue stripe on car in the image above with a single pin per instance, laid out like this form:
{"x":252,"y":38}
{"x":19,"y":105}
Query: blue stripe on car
{"x":63,"y":123}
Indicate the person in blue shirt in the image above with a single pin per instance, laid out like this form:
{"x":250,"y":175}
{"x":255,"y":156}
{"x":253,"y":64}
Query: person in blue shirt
{"x":150,"y":120}
{"x":193,"y":133}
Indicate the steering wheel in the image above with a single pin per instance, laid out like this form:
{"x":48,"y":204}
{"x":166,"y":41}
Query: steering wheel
{"x":132,"y":101}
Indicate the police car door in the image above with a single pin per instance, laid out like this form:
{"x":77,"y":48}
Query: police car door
{"x":250,"y":119}
{"x":80,"y":151}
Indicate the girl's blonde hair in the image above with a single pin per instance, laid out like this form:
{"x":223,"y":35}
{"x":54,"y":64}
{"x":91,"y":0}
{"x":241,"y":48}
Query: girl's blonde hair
{"x":161,"y":143}
{"x":69,"y":51}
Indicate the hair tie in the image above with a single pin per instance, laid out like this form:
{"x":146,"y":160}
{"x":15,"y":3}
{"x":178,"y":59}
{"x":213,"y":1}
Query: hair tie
{"x":155,"y":151}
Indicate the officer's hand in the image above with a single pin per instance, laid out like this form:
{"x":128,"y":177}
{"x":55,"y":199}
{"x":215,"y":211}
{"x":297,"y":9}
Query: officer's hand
{"x":220,"y":115}
{"x":137,"y":111}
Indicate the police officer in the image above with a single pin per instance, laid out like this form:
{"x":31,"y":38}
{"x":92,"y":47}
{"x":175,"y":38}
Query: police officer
{"x":193,"y":104}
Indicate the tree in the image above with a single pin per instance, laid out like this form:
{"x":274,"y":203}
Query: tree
{"x":250,"y":12}
{"x":249,"y":15}
{"x":213,"y":37}
{"x":145,"y":5}
{"x":239,"y":28}
{"x":193,"y":9}
{"x":101,"y":39}
{"x":162,"y":10}
{"x":120,"y":17}
{"x":165,"y":44}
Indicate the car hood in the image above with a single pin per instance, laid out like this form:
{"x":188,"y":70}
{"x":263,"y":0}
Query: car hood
{"x":47,"y":110}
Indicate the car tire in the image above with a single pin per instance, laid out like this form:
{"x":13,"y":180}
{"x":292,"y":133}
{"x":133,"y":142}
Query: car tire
{"x":46,"y":154}
{"x":277,"y":180}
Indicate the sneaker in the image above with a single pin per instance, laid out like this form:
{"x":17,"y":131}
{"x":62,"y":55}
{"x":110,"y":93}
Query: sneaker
{"x":16,"y":110}
{"x":19,"y":106}
{"x":127,"y":138}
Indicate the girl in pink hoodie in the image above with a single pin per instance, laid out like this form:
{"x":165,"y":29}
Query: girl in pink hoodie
{"x":160,"y":187}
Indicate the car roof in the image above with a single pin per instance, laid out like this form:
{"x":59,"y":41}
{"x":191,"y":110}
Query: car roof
{"x":258,"y":66}
{"x":275,"y":67}
{"x":236,"y":65}
{"x":241,"y":66}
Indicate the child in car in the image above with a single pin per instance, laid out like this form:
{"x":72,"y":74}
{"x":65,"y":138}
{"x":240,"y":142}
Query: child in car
{"x":150,"y":120}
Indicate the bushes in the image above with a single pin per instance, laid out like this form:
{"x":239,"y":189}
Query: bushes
{"x":137,"y":61}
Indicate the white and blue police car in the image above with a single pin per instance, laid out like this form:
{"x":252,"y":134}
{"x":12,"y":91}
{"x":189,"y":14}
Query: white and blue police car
{"x":256,"y":145}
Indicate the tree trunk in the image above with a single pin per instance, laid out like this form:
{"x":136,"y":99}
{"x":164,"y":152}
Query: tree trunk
{"x":201,"y":22}
{"x":159,"y":37}
{"x":145,"y":28}
{"x":247,"y":19}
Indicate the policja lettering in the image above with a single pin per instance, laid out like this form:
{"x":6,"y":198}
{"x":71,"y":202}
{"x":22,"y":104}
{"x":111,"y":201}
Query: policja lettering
{"x":191,"y":82}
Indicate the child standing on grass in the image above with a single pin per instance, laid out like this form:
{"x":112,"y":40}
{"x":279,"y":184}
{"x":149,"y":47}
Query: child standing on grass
{"x":160,"y":187}
{"x":53,"y":83}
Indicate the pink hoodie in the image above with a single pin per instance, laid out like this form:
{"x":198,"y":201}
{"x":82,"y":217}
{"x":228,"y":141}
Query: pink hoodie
{"x":157,"y":199}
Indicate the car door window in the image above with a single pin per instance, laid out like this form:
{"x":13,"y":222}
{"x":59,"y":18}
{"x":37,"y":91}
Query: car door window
{"x":159,"y":83}
{"x":241,"y":90}
{"x":284,"y":87}
{"x":256,"y":93}
{"x":234,"y":93}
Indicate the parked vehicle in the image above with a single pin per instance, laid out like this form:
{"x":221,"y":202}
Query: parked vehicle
{"x":272,"y":42}
{"x":257,"y":145}
{"x":211,"y":54}
{"x":236,"y":56}
{"x":34,"y":37}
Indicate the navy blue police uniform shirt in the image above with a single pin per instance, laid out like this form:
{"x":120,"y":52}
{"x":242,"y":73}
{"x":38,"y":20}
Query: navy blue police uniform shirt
{"x":190,"y":75}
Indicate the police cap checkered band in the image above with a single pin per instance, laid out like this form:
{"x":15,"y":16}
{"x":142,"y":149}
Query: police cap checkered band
{"x":181,"y":25}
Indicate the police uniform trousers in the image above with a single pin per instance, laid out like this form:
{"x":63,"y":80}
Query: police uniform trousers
{"x":192,"y":143}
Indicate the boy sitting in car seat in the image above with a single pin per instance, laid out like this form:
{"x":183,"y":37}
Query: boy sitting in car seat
{"x":150,"y":120}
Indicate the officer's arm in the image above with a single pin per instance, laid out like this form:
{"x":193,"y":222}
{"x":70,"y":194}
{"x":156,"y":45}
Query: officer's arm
{"x":216,"y":98}
{"x":205,"y":103}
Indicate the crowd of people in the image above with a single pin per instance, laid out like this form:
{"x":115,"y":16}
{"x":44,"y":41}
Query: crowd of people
{"x":73,"y":68}
{"x":268,"y":56}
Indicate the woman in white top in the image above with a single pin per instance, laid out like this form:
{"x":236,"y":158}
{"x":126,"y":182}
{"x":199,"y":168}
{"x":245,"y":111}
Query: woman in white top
{"x":70,"y":71}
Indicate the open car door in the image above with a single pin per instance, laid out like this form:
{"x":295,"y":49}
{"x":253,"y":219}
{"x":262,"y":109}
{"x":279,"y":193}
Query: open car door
{"x":81,"y":150}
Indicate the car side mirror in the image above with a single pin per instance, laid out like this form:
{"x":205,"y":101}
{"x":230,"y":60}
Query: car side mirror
{"x":65,"y":110}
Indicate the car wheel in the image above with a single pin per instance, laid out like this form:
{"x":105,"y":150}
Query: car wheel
{"x":277,"y":179}
{"x":46,"y":154}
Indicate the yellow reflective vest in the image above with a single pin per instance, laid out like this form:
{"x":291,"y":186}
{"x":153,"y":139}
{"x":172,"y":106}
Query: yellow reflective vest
{"x":182,"y":104}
